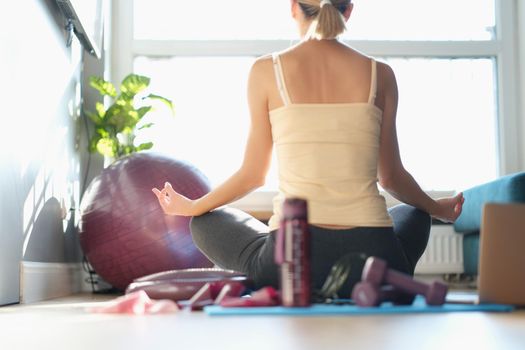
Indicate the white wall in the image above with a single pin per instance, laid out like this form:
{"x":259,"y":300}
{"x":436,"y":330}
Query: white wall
{"x":40,"y":130}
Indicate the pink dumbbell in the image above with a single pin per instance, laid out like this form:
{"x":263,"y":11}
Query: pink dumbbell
{"x":376,"y":272}
{"x":366,"y":294}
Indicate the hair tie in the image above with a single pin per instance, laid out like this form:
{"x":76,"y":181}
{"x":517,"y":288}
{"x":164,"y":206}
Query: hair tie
{"x":325,"y":2}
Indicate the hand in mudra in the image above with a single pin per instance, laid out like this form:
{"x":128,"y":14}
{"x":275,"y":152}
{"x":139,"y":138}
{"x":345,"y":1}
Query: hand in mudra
{"x":172,"y":202}
{"x":449,"y":209}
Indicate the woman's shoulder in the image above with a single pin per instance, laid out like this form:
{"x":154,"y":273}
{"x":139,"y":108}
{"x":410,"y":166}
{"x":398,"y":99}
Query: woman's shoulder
{"x":270,"y":57}
{"x":262,"y":65}
{"x":383,"y":67}
{"x":264,"y":58}
{"x":265,"y":64}
{"x":385,"y":73}
{"x":261,"y":71}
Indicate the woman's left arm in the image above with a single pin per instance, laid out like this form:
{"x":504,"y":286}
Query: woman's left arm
{"x":257,"y":158}
{"x":392,"y":175}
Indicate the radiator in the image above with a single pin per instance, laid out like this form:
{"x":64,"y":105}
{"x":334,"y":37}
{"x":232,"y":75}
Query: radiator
{"x":444,"y":253}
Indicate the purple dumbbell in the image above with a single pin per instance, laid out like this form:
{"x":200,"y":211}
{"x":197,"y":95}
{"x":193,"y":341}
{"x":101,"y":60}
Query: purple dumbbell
{"x":366,"y":294}
{"x":377,"y":273}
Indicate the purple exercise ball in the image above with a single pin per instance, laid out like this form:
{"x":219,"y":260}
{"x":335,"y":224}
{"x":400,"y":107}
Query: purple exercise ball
{"x":123,"y":231}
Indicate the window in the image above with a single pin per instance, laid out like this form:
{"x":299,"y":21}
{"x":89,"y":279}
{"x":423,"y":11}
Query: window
{"x":448,"y":57}
{"x":270,"y":19}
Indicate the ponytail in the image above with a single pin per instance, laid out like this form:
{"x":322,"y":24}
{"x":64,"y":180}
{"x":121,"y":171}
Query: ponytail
{"x":328,"y":21}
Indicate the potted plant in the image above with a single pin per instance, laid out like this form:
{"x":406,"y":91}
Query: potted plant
{"x":116,"y":126}
{"x":115,"y":130}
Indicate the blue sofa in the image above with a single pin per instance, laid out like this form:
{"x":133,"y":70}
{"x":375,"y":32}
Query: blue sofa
{"x":507,"y":189}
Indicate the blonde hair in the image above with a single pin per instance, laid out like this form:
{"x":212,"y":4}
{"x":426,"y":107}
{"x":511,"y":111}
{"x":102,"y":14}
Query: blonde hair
{"x":328,"y":21}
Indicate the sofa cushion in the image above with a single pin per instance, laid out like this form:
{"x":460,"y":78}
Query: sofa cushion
{"x":506,"y":189}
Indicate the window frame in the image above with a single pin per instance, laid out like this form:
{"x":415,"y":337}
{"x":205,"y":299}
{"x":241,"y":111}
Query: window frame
{"x":503,"y":49}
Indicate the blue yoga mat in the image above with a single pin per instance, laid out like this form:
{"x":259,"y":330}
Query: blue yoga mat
{"x":419,"y":306}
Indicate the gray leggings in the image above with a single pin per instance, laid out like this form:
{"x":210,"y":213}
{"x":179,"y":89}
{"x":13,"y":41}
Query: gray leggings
{"x":234,"y":240}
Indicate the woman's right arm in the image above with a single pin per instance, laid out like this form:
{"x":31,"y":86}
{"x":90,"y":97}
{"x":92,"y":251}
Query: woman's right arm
{"x":392,"y":175}
{"x":257,"y":157}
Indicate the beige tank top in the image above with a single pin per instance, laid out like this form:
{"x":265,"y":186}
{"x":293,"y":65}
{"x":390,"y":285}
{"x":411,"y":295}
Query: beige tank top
{"x":327,"y":154}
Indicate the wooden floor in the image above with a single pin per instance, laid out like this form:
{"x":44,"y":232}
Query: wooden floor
{"x":65,"y":324}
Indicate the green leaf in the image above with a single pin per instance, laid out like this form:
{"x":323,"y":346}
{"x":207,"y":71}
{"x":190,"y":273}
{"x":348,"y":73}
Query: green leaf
{"x":133,"y":84}
{"x":121,"y":117}
{"x":94,"y":118}
{"x":104,"y":87}
{"x":164,"y":100}
{"x":144,"y":146}
{"x":93,"y":143}
{"x":133,"y":114}
{"x":102,"y":132}
{"x":145,"y":126}
{"x":127,"y":131}
{"x":101,"y":110}
{"x":141,"y":112}
{"x":116,"y":126}
{"x":122,"y":100}
{"x":114,"y":116}
{"x":107,"y":147}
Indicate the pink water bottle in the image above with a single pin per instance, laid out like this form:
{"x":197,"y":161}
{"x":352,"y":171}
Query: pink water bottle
{"x":292,"y":253}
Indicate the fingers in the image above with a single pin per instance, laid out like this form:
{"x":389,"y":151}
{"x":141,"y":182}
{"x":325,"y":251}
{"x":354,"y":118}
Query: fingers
{"x":161,"y":196}
{"x":169,"y":189}
{"x":458,"y":207}
{"x":157,"y":192}
{"x":170,"y":193}
{"x":172,"y":202}
{"x":459,"y":199}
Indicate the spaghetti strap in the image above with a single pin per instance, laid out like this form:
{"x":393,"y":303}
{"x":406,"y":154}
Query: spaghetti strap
{"x":373,"y":82}
{"x":279,"y":77}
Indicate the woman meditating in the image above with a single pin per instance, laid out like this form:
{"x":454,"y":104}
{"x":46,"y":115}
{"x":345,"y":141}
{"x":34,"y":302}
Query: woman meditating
{"x":330,"y":114}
